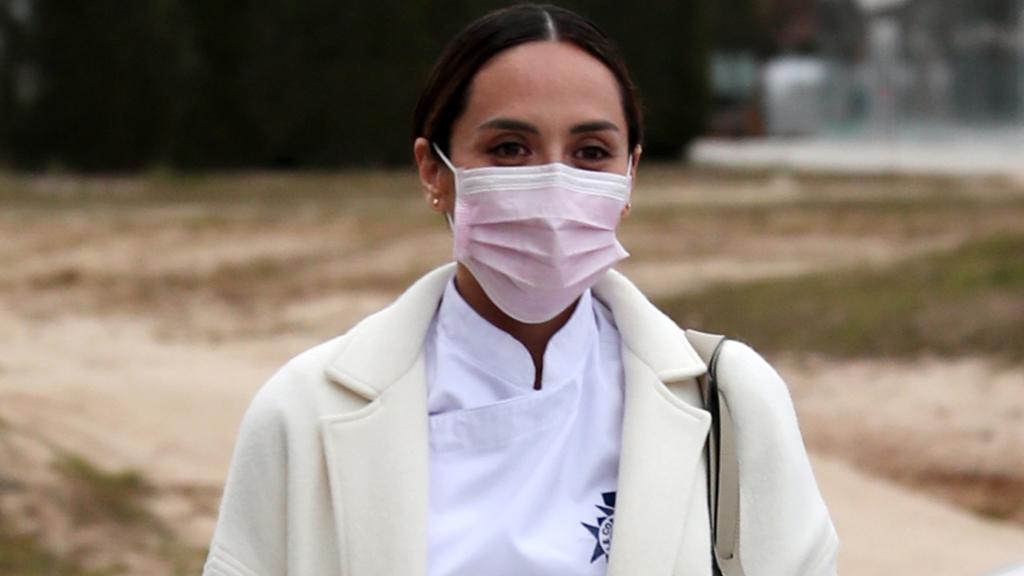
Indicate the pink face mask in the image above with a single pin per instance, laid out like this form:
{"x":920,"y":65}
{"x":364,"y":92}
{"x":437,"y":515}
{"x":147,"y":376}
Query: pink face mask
{"x":537,"y":237}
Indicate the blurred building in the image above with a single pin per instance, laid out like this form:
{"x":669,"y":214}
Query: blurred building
{"x":933,"y":64}
{"x":880,"y":66}
{"x":756,"y":43}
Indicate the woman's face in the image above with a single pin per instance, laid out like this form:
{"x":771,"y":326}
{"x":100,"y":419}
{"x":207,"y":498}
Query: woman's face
{"x":536,"y":103}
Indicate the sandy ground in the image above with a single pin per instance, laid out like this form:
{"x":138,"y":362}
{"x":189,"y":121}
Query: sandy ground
{"x":135,"y":335}
{"x":888,"y":530}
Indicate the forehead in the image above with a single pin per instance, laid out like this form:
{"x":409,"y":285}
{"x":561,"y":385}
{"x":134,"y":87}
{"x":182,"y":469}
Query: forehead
{"x":549,"y":83}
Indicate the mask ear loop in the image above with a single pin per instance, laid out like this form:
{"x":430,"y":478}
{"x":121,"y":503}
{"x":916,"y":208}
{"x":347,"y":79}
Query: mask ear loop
{"x":629,"y":174}
{"x":443,"y":157}
{"x":629,"y":166}
{"x":447,"y":214}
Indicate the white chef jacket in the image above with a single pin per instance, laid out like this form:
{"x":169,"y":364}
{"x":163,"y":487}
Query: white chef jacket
{"x":522,"y":481}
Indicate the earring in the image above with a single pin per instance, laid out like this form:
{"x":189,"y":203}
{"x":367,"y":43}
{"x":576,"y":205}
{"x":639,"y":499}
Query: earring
{"x":435,"y":201}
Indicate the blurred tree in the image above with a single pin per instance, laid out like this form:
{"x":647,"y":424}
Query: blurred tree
{"x":667,"y":46}
{"x":107,"y":81}
{"x":285,"y":83}
{"x":215,"y":128}
{"x":742,"y":26}
{"x":18,"y":84}
{"x":314,"y":83}
{"x":791,"y":25}
{"x":6,"y":79}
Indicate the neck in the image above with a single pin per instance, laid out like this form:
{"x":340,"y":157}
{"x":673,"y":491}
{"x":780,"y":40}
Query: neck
{"x":534,"y":337}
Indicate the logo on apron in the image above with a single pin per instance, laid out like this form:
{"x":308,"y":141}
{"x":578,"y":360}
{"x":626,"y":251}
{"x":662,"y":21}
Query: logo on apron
{"x":602,"y":532}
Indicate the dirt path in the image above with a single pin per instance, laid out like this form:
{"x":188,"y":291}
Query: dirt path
{"x":886,"y":530}
{"x":951,"y":428}
{"x":135,"y":337}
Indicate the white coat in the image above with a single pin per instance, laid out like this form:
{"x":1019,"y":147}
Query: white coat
{"x":330,"y":469}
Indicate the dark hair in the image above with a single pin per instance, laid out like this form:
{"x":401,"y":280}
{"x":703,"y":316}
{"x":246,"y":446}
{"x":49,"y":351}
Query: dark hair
{"x":444,"y":97}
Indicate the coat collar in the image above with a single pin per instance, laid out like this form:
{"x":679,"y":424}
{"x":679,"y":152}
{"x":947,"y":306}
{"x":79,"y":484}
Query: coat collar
{"x":377,"y":456}
{"x":397,"y":333}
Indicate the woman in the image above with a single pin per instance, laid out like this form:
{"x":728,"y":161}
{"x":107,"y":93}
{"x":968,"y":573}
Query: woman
{"x":511,"y":408}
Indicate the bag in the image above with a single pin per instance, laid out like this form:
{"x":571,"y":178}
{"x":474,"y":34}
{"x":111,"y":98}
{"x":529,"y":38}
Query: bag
{"x":723,"y":467}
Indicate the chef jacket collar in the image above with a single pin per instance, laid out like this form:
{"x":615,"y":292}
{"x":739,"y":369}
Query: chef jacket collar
{"x":499,"y":354}
{"x":398,"y":331}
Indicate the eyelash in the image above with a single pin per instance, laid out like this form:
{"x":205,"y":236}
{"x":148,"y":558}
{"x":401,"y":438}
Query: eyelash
{"x":496,"y":151}
{"x":604,"y":154}
{"x":504,"y":146}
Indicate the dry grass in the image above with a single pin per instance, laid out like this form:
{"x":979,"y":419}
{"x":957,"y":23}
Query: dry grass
{"x":101,"y":496}
{"x":23,"y":554}
{"x":966,"y":301}
{"x":73,"y":518}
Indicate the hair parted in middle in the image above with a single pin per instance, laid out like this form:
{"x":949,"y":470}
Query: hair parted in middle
{"x":444,"y":97}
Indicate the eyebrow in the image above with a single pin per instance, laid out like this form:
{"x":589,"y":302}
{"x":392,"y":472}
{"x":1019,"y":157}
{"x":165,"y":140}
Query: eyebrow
{"x":508,"y":124}
{"x":519,"y":125}
{"x":593,"y":126}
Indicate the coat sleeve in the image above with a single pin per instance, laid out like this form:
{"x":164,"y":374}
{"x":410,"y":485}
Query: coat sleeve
{"x":250,"y":535}
{"x":785,"y":526}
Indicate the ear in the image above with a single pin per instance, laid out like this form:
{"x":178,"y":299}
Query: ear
{"x":435,"y":177}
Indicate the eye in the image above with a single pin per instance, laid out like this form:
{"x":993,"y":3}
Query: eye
{"x":509,"y":150}
{"x":592,"y":153}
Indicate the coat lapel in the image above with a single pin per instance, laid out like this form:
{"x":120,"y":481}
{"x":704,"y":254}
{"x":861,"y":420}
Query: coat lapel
{"x":663,"y":435}
{"x":377,"y":464}
{"x":662,"y":445}
{"x":378,"y":456}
